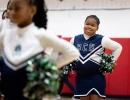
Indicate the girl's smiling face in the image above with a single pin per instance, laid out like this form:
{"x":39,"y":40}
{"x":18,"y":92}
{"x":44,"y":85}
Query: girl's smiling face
{"x":90,"y":26}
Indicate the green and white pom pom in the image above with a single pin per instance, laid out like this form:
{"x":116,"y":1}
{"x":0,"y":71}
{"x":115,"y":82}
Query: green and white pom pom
{"x":42,"y":78}
{"x":107,"y":63}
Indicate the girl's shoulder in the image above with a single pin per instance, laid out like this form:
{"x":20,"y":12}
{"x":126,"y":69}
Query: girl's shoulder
{"x":97,"y":36}
{"x":100,"y":35}
{"x":79,"y":35}
{"x":42,"y":33}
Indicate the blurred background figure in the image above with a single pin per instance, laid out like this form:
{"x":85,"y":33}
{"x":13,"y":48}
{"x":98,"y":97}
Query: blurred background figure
{"x":5,"y":15}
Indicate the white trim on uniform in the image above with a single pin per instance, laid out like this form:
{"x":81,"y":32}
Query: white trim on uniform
{"x":20,"y":65}
{"x":83,"y":61}
{"x":97,"y":48}
{"x":91,"y":91}
{"x":95,"y":61}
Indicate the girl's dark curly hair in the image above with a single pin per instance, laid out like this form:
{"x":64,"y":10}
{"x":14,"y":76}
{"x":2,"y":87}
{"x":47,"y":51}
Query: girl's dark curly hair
{"x":40,"y":18}
{"x":95,"y":17}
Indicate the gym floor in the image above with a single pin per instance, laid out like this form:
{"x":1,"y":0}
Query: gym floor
{"x":109,"y":98}
{"x":105,"y":99}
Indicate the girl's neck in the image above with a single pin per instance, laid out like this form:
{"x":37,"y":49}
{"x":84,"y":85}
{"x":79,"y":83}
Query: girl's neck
{"x":88,"y":36}
{"x":25,"y":24}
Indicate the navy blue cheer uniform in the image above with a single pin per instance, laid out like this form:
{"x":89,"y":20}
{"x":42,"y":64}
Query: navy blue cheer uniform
{"x":89,"y":79}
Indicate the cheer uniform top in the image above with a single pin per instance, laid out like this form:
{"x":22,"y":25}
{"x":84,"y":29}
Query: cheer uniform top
{"x":21,"y":44}
{"x":89,"y":80}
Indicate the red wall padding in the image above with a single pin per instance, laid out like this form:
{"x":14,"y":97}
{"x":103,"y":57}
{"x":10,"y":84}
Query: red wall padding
{"x":118,"y":83}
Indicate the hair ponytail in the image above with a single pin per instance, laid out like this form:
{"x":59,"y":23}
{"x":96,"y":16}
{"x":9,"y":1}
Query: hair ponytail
{"x":40,"y":18}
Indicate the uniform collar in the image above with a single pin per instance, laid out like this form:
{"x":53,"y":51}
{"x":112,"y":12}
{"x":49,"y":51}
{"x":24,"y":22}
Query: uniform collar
{"x":21,"y":31}
{"x":87,"y":37}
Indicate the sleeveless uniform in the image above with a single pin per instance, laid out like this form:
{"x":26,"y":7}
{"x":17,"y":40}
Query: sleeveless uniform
{"x":89,"y":79}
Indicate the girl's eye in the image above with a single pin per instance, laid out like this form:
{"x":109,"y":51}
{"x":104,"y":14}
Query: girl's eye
{"x":17,"y":8}
{"x":9,"y":8}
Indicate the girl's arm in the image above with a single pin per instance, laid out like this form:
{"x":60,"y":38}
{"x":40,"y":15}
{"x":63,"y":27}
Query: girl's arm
{"x":112,"y":45}
{"x":68,"y":52}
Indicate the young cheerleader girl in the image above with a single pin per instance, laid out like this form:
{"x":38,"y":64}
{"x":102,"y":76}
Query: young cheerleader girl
{"x":25,"y":41}
{"x":90,"y":82}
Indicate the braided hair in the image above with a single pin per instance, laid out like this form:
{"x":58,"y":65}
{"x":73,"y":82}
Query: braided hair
{"x":40,"y":18}
{"x":8,"y":4}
